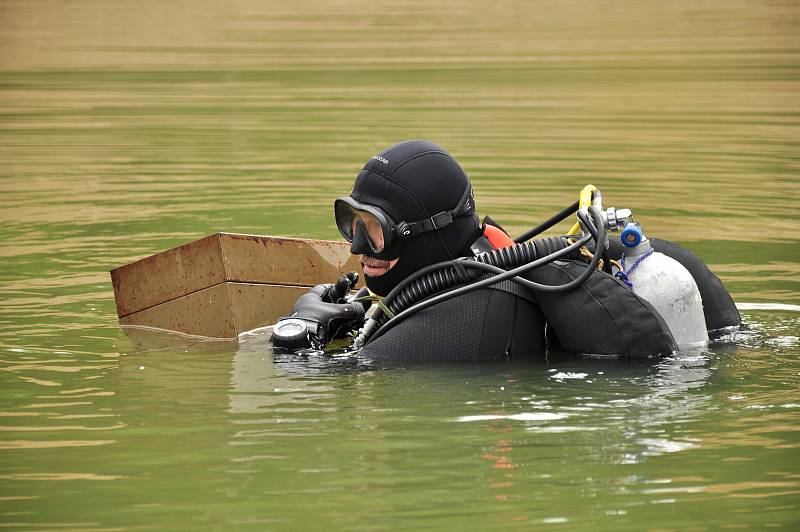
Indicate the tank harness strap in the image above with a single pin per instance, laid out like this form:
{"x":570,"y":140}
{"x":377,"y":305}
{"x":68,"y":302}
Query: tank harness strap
{"x":461,"y":272}
{"x":515,"y":289}
{"x":623,"y":275}
{"x":494,"y":237}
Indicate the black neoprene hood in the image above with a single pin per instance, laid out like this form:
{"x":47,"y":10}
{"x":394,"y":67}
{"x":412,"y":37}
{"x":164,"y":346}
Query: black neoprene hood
{"x":412,"y":181}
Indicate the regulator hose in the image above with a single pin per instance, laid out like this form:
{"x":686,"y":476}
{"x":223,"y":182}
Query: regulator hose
{"x":414,"y":294}
{"x":547,"y":224}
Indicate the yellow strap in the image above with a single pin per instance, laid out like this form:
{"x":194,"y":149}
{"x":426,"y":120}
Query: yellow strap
{"x":584,"y":200}
{"x":371,"y":296}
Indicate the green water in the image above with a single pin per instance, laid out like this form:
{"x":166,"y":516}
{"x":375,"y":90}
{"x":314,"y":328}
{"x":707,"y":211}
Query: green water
{"x":129,"y":127}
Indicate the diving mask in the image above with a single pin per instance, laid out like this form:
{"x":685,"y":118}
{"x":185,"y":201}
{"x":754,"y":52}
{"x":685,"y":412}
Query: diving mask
{"x":367,"y":228}
{"x":373,"y":232}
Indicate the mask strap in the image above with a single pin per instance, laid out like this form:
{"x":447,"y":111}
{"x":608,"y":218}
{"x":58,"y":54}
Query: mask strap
{"x":465,"y":207}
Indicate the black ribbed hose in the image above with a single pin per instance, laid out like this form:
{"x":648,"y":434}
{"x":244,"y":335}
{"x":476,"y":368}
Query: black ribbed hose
{"x":448,"y":274}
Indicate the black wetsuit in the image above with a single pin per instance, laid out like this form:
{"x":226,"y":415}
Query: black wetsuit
{"x":487,"y":324}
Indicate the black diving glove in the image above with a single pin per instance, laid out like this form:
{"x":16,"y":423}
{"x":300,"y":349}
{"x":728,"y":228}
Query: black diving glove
{"x":321,"y":315}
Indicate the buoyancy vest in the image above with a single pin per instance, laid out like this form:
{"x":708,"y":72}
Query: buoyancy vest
{"x":599,"y":317}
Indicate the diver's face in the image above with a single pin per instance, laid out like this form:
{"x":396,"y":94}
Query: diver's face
{"x":376,"y":267}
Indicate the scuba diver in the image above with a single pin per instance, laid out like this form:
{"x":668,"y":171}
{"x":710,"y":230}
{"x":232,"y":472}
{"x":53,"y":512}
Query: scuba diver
{"x":449,"y":287}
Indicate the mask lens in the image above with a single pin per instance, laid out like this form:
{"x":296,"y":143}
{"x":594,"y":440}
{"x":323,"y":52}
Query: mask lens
{"x":347,"y":218}
{"x":374,"y":229}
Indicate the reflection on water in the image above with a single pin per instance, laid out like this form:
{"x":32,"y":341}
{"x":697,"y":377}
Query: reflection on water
{"x":536,"y":427}
{"x":129,"y":127}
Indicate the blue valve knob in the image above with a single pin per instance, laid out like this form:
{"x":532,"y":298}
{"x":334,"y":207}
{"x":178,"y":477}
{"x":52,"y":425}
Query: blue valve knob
{"x":632,"y":235}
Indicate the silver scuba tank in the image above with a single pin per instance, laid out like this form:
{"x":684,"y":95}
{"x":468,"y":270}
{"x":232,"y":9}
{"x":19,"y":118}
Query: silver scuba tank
{"x":666,"y":284}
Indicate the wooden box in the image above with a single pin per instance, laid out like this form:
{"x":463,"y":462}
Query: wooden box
{"x":226,"y":283}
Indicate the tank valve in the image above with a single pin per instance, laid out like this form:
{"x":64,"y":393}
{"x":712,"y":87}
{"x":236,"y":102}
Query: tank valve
{"x":632,"y":235}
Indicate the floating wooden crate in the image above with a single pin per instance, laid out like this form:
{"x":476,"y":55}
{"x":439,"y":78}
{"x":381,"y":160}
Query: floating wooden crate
{"x":226,"y":283}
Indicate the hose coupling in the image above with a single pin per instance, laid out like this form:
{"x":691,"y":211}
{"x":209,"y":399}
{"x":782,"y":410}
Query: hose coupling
{"x":617,"y":219}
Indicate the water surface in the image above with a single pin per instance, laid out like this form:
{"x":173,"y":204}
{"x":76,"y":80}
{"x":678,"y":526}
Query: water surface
{"x":132,"y":127}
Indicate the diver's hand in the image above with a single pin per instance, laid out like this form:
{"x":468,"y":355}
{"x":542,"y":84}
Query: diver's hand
{"x":325,"y":304}
{"x":336,"y":292}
